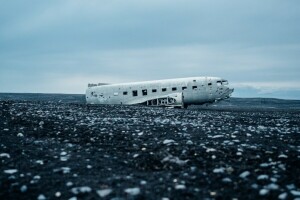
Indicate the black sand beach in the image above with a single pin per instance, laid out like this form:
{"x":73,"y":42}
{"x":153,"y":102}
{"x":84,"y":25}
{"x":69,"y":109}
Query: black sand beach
{"x":53,"y":148}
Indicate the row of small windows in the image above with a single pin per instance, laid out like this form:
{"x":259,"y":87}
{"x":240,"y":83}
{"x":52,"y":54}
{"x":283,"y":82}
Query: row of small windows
{"x":145,"y":92}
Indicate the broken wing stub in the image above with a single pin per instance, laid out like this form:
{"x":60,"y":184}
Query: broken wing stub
{"x":171,"y":100}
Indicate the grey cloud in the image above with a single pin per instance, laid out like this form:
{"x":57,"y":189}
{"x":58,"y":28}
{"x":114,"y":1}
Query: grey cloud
{"x":244,"y":41}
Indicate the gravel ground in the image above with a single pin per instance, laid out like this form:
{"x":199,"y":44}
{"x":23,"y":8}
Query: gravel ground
{"x":54,"y":150}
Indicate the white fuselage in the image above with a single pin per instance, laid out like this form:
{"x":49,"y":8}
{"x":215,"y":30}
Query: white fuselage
{"x":194,"y":90}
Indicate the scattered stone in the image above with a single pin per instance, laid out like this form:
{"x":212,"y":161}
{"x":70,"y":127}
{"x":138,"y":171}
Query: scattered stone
{"x":283,"y":196}
{"x":133,"y":191}
{"x":210,"y":150}
{"x":41,"y":197}
{"x":64,"y":170}
{"x":180,"y":187}
{"x":264,"y":165}
{"x":81,"y":190}
{"x":69,"y":184}
{"x":282,"y":156}
{"x":2,"y":155}
{"x":20,"y":135}
{"x":143,"y":182}
{"x":226,"y":180}
{"x":141,"y":133}
{"x":189,"y":142}
{"x":40,"y":162}
{"x":295,"y":192}
{"x":244,"y":174}
{"x":219,"y":170}
{"x":10,"y":171}
{"x":41,"y":123}
{"x":23,"y":188}
{"x":167,"y":141}
{"x":173,"y":159}
{"x":263,"y":177}
{"x":217,"y":136}
{"x":263,"y":192}
{"x":57,"y":194}
{"x":89,"y":166}
{"x":104,"y":192}
{"x":272,"y":186}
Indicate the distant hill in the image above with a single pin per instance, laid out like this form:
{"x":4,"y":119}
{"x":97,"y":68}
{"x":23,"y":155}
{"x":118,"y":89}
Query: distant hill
{"x":63,"y":98}
{"x":230,"y":104}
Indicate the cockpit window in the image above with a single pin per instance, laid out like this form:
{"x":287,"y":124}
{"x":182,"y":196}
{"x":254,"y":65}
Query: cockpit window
{"x":219,"y":83}
{"x":225,"y":82}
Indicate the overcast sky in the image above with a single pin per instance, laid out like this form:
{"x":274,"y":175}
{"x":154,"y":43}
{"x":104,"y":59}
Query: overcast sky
{"x":61,"y":46}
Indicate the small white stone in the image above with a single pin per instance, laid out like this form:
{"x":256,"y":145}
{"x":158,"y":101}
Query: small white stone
{"x":210,"y":150}
{"x":89,"y":167}
{"x":226,"y":180}
{"x":135,"y":155}
{"x":23,"y":188}
{"x":217,"y":136}
{"x":272,"y":186}
{"x":58,"y":194}
{"x":83,"y":189}
{"x":273,"y":179}
{"x":295,"y":193}
{"x":263,"y":192}
{"x":66,"y":170}
{"x":282,"y":156}
{"x":219,"y":170}
{"x":37,"y":177}
{"x":143,"y":182}
{"x":10,"y":171}
{"x":4,"y":155}
{"x":168,"y":141}
{"x":264,"y":165}
{"x":244,"y":174}
{"x":73,"y":198}
{"x":63,"y":153}
{"x":41,"y":197}
{"x":20,"y":135}
{"x":69,"y":184}
{"x":133,"y":191}
{"x":40,"y":162}
{"x":282,"y":196}
{"x":180,"y":187}
{"x":291,"y":186}
{"x":189,"y":142}
{"x":104,"y":192}
{"x":141,"y":133}
{"x":64,"y":158}
{"x":6,"y":129}
{"x":263,"y":177}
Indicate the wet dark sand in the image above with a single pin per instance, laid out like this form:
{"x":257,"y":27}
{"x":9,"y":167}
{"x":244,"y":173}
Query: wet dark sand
{"x":53,"y":150}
